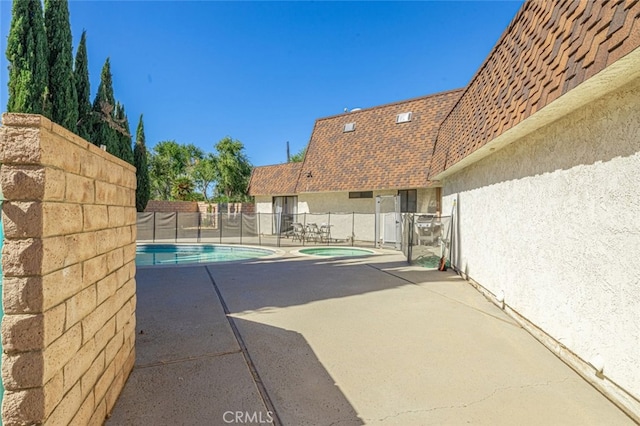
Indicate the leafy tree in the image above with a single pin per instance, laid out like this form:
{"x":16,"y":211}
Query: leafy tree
{"x":62,"y":91}
{"x":81,"y":79}
{"x":169,"y":161}
{"x":193,"y":156}
{"x":299,"y":157}
{"x":27,"y":56}
{"x":234,"y":170}
{"x":204,"y":174}
{"x":105,"y":128}
{"x":143,"y":189}
{"x":124,"y":136}
{"x":160,"y":175}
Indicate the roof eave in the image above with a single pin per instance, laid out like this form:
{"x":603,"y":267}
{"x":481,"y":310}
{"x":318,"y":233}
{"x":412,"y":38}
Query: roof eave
{"x":616,"y":75}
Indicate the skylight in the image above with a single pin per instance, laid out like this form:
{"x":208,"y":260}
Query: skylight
{"x":403,"y":117}
{"x":349,"y":127}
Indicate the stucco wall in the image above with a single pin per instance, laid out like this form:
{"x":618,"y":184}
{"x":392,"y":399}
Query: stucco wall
{"x":339,"y":202}
{"x":427,"y":200}
{"x":553,"y":221}
{"x":264,"y":208}
{"x":335,"y":202}
{"x":312,"y":207}
{"x":69,"y":275}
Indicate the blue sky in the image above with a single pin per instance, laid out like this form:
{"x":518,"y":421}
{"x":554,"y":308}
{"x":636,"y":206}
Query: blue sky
{"x":263,"y":72}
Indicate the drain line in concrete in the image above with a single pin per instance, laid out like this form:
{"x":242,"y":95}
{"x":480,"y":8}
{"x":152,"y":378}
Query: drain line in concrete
{"x":247,"y":358}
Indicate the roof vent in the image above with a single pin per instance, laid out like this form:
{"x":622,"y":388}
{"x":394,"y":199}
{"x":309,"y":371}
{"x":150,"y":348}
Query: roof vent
{"x":349,"y":127}
{"x":403,"y":118}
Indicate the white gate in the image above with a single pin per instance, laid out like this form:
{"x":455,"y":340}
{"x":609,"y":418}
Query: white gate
{"x":388,"y":229}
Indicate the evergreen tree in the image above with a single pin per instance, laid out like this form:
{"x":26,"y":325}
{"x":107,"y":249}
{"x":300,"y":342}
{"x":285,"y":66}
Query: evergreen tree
{"x":81,"y":79}
{"x":143,"y":190}
{"x":27,"y":56}
{"x":124,"y":136}
{"x":62,"y":90}
{"x":104,"y":129}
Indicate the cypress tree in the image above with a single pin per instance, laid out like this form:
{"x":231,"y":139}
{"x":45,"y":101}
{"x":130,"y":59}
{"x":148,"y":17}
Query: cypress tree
{"x":81,"y":78}
{"x":124,"y":135}
{"x":27,"y":56}
{"x":62,"y":91}
{"x":143,"y":190}
{"x":103,"y":112}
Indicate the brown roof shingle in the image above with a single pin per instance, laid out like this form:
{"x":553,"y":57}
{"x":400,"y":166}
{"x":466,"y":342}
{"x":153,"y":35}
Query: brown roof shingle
{"x":279,"y":179}
{"x":549,"y":48}
{"x":379,"y":154}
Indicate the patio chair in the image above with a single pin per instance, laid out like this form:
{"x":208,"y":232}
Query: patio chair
{"x":325,"y":233}
{"x":313,"y":232}
{"x":298,"y":232}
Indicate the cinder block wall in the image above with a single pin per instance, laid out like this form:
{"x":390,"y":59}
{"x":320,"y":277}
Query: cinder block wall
{"x":69,"y":274}
{"x":171,"y":206}
{"x":161,"y":206}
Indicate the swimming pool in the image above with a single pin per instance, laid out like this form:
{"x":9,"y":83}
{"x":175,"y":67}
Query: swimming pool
{"x":173,"y":254}
{"x":335,"y":251}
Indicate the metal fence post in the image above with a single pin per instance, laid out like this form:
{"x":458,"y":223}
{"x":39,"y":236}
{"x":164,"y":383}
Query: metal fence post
{"x":329,"y":228}
{"x":304,"y":226}
{"x":412,"y":219}
{"x":199,"y":226}
{"x":154,"y":227}
{"x":353,"y":228}
{"x":220,"y":223}
{"x":258,"y":228}
{"x":177,"y":227}
{"x":241,"y":220}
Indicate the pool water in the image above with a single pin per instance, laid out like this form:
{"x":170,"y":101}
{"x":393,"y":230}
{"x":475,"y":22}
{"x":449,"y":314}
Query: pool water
{"x":171,"y":254}
{"x":336,"y":251}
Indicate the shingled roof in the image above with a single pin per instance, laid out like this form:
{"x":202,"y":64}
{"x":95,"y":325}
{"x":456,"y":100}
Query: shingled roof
{"x":379,"y":153}
{"x":550,"y":48}
{"x":279,"y":179}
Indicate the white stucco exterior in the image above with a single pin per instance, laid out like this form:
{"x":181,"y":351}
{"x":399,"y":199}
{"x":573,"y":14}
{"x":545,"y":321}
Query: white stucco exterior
{"x":552,"y":221}
{"x":339,"y":202}
{"x":349,"y":217}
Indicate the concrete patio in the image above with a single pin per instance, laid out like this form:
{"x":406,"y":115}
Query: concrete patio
{"x":355,"y":341}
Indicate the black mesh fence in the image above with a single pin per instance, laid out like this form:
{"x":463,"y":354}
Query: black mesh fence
{"x":425,"y":238}
{"x":345,"y":229}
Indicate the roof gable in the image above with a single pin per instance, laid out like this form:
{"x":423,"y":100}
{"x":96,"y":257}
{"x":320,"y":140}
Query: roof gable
{"x":279,"y":179}
{"x":379,"y":153}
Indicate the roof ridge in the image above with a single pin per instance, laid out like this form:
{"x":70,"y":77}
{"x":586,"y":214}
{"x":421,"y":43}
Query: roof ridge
{"x":279,"y":164}
{"x":432,"y":95}
{"x":492,"y":52}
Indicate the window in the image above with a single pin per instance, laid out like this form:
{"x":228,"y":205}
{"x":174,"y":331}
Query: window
{"x":349,"y":127}
{"x":408,"y":200}
{"x":361,"y":194}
